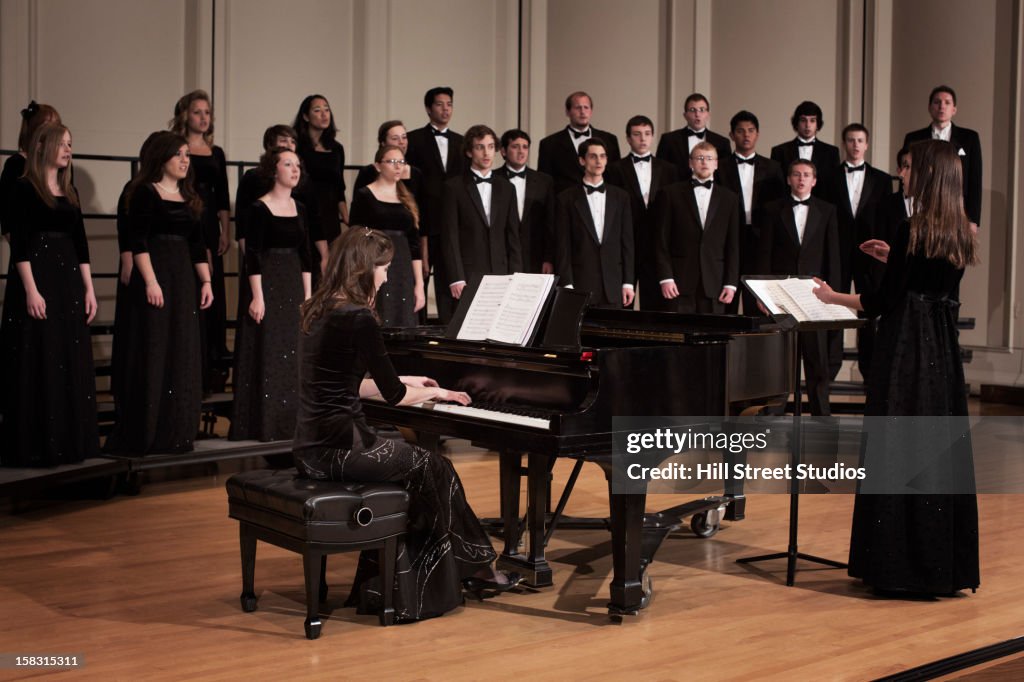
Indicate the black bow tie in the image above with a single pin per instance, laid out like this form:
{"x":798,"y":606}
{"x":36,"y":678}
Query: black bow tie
{"x":440,"y":133}
{"x":693,"y":133}
{"x":805,"y":202}
{"x":801,"y":143}
{"x":513,"y":174}
{"x":576,"y":134}
{"x":854,"y":169}
{"x":697,"y":183}
{"x":591,"y":190}
{"x":477,"y":179}
{"x":640,"y":159}
{"x":740,"y":159}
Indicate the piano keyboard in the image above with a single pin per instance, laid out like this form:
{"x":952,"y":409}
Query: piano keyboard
{"x":508,"y":414}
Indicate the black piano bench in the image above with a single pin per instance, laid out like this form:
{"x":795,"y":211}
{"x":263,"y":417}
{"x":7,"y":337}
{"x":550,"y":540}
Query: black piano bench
{"x":314,"y":519}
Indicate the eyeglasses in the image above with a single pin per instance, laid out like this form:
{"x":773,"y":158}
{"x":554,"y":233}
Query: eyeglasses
{"x":703,"y":158}
{"x":697,"y":110}
{"x":394,"y":162}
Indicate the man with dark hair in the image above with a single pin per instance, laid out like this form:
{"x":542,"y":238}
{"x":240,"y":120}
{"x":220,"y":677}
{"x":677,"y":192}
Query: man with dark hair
{"x":757,"y":181}
{"x":535,"y":202}
{"x":559,"y":151}
{"x":942,"y":107}
{"x":807,"y":122}
{"x":479,"y":223}
{"x":437,"y":152}
{"x":595,"y":234}
{"x":800,"y":237}
{"x":675,"y":146}
{"x":697,"y":257}
{"x":642,"y":176}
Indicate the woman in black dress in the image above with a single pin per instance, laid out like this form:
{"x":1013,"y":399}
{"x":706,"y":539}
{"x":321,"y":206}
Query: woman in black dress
{"x":32,"y":118}
{"x":445,"y":546}
{"x":277,"y":265}
{"x":926,"y":543}
{"x":323,"y":159}
{"x":386,"y":204}
{"x":391,"y":133}
{"x":193,"y":120}
{"x":162,"y":390}
{"x":48,"y":385}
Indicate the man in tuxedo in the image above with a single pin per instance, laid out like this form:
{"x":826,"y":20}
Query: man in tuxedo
{"x":437,"y":152}
{"x":698,"y":258}
{"x":535,"y":202}
{"x":642,"y":176}
{"x":942,"y":107}
{"x":559,"y":152}
{"x":807,"y":122}
{"x":594,"y":234}
{"x":479,"y":222}
{"x":801,"y":237}
{"x":757,"y":181}
{"x":675,"y":146}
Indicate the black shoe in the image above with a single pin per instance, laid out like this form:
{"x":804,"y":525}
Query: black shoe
{"x":480,"y":585}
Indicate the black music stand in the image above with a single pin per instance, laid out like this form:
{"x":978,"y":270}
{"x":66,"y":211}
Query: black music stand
{"x":794,"y":326}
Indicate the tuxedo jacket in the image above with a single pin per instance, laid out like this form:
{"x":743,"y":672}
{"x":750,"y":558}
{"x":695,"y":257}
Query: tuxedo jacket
{"x":769,"y":185}
{"x":470,"y":244}
{"x":424,"y":155}
{"x":686,"y":249}
{"x":580,"y":259}
{"x":968,"y":148}
{"x":781,"y":252}
{"x":559,"y":159}
{"x":824,"y":156}
{"x":537,"y":224}
{"x":891,"y":217}
{"x":854,"y":229}
{"x":674,"y":147}
{"x":622,"y":174}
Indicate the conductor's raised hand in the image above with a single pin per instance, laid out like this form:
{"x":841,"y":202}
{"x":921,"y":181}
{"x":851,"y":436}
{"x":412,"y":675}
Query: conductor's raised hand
{"x":823,"y":291}
{"x":877,"y":249}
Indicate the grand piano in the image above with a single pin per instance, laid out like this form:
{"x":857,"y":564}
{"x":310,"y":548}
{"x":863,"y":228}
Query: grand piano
{"x":558,"y":397}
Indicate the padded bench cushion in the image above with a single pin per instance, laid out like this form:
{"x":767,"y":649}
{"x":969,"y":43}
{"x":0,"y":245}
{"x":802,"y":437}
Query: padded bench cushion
{"x":316,"y":511}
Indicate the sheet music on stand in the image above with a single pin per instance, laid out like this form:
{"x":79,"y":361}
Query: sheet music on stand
{"x":506,"y":308}
{"x":795,"y":296}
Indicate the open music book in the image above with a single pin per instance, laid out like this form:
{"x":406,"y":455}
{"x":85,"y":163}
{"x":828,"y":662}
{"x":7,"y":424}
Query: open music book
{"x":795,"y":296}
{"x":506,"y":308}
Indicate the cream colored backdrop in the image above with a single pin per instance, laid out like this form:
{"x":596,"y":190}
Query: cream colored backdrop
{"x":115,"y":67}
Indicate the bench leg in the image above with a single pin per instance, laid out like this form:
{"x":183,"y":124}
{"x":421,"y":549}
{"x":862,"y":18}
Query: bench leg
{"x":247,"y":544}
{"x":323,"y":579}
{"x":387,"y":557}
{"x":312,"y":563}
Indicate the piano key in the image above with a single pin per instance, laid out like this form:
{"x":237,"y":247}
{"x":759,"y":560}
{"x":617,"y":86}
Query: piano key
{"x":493,"y":415}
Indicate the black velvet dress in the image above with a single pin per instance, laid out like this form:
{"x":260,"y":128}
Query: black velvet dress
{"x":266,"y":363}
{"x":928,"y":542}
{"x":325,"y":171}
{"x":161,"y":392}
{"x":47,"y":381}
{"x":122,"y":304}
{"x":445,"y":542}
{"x":396,"y":298}
{"x":211,"y":181}
{"x":14,"y":168}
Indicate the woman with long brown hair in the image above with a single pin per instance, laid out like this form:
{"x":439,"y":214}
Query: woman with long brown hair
{"x":48,"y":386}
{"x":445,"y":547}
{"x":161,"y":394}
{"x":32,"y":118}
{"x":918,"y":543}
{"x":386,"y":204}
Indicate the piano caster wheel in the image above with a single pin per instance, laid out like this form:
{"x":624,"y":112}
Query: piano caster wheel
{"x":648,"y":583}
{"x":248,"y":602}
{"x":702,"y":527}
{"x":312,"y":629}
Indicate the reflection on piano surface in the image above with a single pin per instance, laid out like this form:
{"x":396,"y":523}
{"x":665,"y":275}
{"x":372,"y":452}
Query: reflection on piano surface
{"x":559,"y":400}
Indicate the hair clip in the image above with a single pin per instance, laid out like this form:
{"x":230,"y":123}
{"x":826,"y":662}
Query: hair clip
{"x":30,"y":110}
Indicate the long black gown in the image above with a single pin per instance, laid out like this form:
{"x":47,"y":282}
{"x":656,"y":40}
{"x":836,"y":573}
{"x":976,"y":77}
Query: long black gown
{"x":445,"y":542}
{"x":47,"y":382}
{"x":266,"y":364}
{"x":122,"y":304}
{"x":211,"y":180}
{"x":325,"y":171}
{"x":396,"y":298}
{"x":14,"y":168}
{"x":161,"y":393}
{"x":924,"y":543}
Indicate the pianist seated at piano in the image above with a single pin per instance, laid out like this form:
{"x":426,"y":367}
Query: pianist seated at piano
{"x":445,"y":548}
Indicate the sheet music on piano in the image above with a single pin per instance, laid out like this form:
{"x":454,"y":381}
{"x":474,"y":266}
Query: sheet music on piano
{"x":506,"y":308}
{"x":795,"y":296}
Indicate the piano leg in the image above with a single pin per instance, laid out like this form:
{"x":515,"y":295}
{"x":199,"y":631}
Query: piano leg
{"x":534,"y":568}
{"x":510,"y":478}
{"x":627,"y":519}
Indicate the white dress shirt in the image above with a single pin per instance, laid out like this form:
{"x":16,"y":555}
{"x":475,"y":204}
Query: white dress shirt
{"x":643,"y":176}
{"x":854,"y":184}
{"x":520,"y":185}
{"x":442,"y":146}
{"x":577,"y":141}
{"x":484,"y":190}
{"x":800,"y":217}
{"x":942,"y":133}
{"x":693,"y":140}
{"x":596,"y":201}
{"x":746,"y":172}
{"x":703,"y":196}
{"x":805,"y":152}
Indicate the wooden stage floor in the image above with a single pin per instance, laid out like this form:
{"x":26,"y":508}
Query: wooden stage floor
{"x":147,"y":587}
